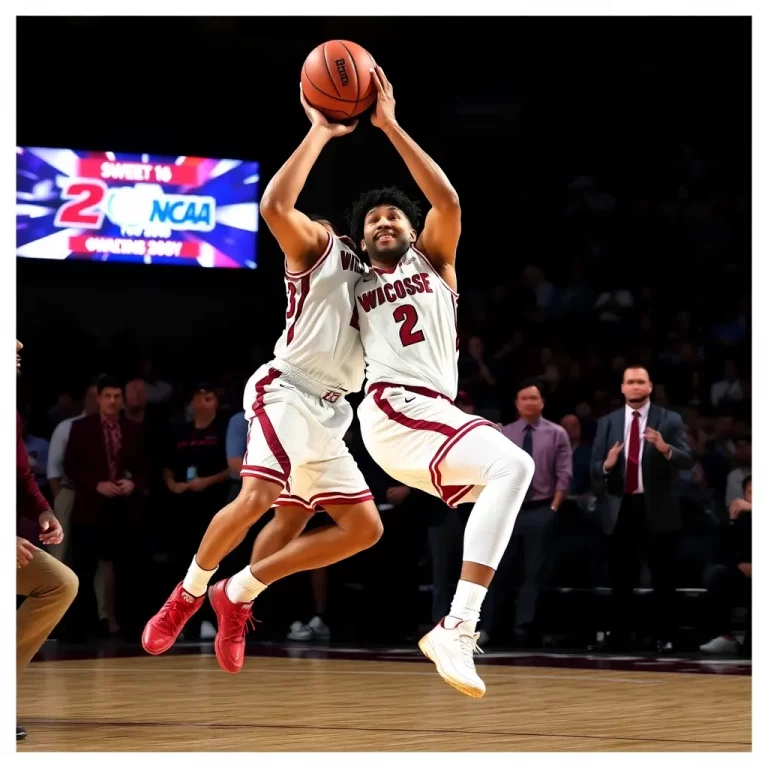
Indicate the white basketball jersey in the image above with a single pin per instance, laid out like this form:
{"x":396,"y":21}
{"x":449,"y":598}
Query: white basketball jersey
{"x":408,"y":326}
{"x":321,"y":336}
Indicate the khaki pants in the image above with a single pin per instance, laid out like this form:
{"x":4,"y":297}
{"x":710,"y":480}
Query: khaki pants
{"x":62,"y":508}
{"x":50,"y":587}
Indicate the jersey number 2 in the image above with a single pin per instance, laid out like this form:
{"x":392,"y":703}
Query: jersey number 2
{"x":407,"y":315}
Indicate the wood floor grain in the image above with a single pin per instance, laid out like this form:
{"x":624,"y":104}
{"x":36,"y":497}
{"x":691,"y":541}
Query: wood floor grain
{"x":179,"y":703}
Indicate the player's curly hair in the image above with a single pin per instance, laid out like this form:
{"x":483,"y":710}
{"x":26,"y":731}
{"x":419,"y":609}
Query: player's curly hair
{"x":376,"y":197}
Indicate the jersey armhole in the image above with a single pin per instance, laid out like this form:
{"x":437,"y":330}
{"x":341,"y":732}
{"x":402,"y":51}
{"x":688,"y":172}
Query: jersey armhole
{"x":434,"y":270}
{"x":297,"y":275}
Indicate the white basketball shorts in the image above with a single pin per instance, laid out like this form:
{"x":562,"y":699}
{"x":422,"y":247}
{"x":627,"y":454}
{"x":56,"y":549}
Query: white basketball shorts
{"x":409,"y":431}
{"x":296,"y":439}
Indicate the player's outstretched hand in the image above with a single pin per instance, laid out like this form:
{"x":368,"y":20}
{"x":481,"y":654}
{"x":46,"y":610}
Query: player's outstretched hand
{"x":316,"y":117}
{"x":383,"y":113}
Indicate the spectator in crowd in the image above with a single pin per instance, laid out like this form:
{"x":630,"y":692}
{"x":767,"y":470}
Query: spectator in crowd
{"x":136,"y":400}
{"x":37,"y":453}
{"x":581,"y":483}
{"x":734,"y":486}
{"x":475,"y":375}
{"x":196,"y":472}
{"x":159,"y":391}
{"x":550,"y":448}
{"x":63,"y":489}
{"x":236,"y":443}
{"x":729,"y":389}
{"x":729,"y":582}
{"x":64,"y":408}
{"x":49,"y":587}
{"x":105,"y":459}
{"x":637,"y":453}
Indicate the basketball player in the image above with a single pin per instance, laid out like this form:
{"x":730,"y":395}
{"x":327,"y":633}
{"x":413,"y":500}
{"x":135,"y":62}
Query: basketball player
{"x":296,"y":457}
{"x":407,"y":315}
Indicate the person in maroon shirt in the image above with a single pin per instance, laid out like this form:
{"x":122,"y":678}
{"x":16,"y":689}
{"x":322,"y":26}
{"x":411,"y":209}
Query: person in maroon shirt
{"x":48,"y":585}
{"x":107,"y":463}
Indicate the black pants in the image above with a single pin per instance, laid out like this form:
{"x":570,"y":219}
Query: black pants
{"x":530,"y":546}
{"x":629,"y":545}
{"x":726,"y":587}
{"x":446,"y":543}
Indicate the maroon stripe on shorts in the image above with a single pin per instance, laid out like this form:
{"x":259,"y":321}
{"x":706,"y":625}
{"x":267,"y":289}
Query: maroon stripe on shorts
{"x":267,"y":428}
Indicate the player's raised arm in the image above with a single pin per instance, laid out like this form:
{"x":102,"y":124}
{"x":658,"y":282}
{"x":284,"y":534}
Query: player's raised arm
{"x":301,"y":239}
{"x":442,"y":226}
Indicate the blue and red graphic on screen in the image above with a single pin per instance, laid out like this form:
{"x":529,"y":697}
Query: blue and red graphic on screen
{"x":114,"y":206}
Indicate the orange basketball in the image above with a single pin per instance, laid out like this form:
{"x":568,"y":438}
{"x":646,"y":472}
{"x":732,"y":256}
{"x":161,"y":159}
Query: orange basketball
{"x":336,"y":79}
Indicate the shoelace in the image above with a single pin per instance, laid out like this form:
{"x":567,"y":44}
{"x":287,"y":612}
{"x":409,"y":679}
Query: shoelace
{"x":241,"y":623}
{"x":171,"y":615}
{"x":469,"y":645}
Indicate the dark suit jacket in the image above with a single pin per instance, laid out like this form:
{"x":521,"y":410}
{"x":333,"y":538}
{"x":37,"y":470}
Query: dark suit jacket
{"x":85,"y":463}
{"x":661,"y":502}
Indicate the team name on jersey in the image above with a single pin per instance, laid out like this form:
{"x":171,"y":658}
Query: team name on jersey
{"x":395,"y":290}
{"x":350,"y":262}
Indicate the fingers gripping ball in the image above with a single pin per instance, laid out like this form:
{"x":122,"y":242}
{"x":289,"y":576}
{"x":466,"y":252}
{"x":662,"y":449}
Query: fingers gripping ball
{"x":336,"y":79}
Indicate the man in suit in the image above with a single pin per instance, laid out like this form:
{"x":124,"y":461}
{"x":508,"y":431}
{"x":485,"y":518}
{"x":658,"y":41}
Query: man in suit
{"x":637,"y":452}
{"x":106,"y":460}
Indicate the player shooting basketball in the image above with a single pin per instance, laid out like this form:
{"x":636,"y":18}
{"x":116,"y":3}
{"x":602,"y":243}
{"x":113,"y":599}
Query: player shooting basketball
{"x":296,"y":457}
{"x":407,"y":307}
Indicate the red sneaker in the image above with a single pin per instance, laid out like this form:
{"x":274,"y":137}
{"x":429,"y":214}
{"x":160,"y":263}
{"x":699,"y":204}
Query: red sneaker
{"x":164,"y":627}
{"x":231,"y":619}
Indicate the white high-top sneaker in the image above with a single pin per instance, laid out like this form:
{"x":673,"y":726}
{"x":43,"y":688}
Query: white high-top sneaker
{"x":720,"y":645}
{"x":451,"y":650}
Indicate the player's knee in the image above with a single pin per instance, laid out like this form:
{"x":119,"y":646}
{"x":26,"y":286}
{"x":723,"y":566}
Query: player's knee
{"x":368,"y":528}
{"x":514,"y":465}
{"x":256,"y":498}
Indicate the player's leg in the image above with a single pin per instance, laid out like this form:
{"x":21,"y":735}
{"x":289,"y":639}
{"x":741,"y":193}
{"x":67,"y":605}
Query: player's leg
{"x":279,"y":426}
{"x":482,"y":457}
{"x":284,"y":527}
{"x":357,"y":527}
{"x":224,"y":533}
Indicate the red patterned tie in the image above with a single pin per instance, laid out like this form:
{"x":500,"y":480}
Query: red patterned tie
{"x":633,"y":456}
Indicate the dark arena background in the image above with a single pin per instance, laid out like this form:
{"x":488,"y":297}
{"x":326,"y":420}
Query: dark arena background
{"x":604,"y":171}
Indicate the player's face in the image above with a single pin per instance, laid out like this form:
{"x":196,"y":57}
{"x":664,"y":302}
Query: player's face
{"x":387,"y":234}
{"x":636,"y":386}
{"x":19,"y":347}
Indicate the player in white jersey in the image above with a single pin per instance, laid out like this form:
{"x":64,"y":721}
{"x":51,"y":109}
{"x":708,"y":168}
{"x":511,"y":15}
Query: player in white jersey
{"x":407,"y":315}
{"x":296,"y":458}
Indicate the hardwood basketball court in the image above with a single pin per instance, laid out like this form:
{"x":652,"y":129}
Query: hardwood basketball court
{"x":186,"y":703}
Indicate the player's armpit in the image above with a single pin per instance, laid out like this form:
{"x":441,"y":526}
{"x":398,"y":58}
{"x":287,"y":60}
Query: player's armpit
{"x":302,"y":240}
{"x":440,"y":238}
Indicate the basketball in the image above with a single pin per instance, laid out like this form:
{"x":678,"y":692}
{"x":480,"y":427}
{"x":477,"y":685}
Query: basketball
{"x":336,"y":79}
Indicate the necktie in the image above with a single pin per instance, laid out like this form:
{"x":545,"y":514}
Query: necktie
{"x":633,"y":455}
{"x":528,"y":448}
{"x":528,"y":440}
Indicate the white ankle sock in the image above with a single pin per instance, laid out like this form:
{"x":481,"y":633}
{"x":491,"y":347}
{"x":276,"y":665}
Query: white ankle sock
{"x":467,"y":601}
{"x":243,"y":587}
{"x":196,"y":580}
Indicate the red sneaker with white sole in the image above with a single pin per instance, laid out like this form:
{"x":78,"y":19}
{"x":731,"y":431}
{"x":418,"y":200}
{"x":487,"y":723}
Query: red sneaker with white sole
{"x":231,"y":619}
{"x":164,"y":627}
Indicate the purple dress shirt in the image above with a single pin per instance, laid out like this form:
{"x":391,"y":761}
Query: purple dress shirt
{"x":551,"y":454}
